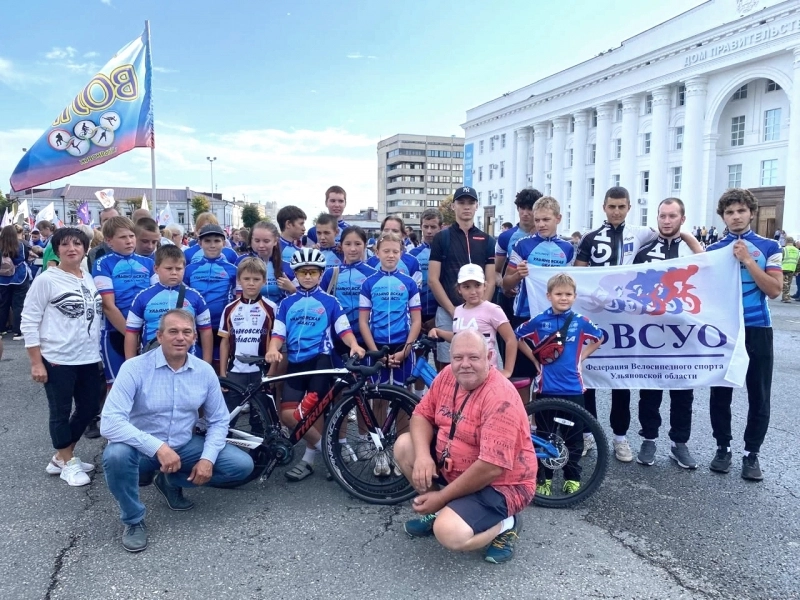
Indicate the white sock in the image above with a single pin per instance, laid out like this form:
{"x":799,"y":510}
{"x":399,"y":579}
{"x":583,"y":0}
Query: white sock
{"x":747,"y":453}
{"x":318,"y":446}
{"x":310,"y":455}
{"x":726,"y":448}
{"x":506,"y":524}
{"x":620,"y":438}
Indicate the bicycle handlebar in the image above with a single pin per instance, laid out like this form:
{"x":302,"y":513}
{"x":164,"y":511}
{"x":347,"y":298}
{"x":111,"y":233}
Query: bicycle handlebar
{"x":353,"y":365}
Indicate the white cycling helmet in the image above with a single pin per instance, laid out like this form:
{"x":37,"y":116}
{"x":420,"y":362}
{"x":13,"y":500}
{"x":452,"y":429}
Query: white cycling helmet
{"x":307,"y":257}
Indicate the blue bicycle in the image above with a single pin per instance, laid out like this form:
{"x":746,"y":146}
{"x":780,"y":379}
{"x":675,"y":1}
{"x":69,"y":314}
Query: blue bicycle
{"x":570,"y":444}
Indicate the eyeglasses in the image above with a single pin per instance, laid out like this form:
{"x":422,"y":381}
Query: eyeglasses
{"x":306,"y":272}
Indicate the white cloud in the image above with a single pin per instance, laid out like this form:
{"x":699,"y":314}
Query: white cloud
{"x":176,"y":127}
{"x":106,"y":2}
{"x":91,"y":55}
{"x":371,"y":57}
{"x":355,"y":55}
{"x":89,"y":68}
{"x":164,"y":70}
{"x":61,"y":53}
{"x":10,"y":76}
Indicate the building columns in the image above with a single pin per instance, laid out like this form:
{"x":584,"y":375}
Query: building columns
{"x":630,"y":133}
{"x":660,"y":176}
{"x":559,"y":147}
{"x":539,"y":153}
{"x":693,"y":126}
{"x":791,"y":201}
{"x":601,"y":163}
{"x":522,"y":142}
{"x":577,"y":209}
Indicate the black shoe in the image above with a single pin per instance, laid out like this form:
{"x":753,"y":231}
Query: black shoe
{"x":134,"y":539}
{"x":721,"y":463}
{"x":146,"y":478}
{"x":751,"y":470}
{"x":93,"y":431}
{"x":172,"y":494}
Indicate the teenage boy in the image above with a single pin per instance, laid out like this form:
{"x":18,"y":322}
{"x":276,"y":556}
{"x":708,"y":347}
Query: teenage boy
{"x":327,"y":237}
{"x":46,"y":229}
{"x":151,"y":304}
{"x":559,"y":364}
{"x":762,"y":277}
{"x":147,"y":237}
{"x":246,"y":324}
{"x":304,"y":322}
{"x":335,"y":203}
{"x":119,"y":276}
{"x":543,"y":249}
{"x":617,"y":243}
{"x":292,"y":223}
{"x":213,"y":276}
{"x":431,"y":225}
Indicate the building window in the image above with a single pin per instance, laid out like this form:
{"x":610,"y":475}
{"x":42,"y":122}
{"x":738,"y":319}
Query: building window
{"x":591,"y":216}
{"x":679,"y":138}
{"x":772,"y":125}
{"x":181,"y":217}
{"x":480,"y":147}
{"x":570,"y":155}
{"x":491,"y":144}
{"x":491,"y":172}
{"x":769,"y":172}
{"x":500,"y":195}
{"x":550,"y":131}
{"x":681,"y":95}
{"x":772,"y":86}
{"x":502,"y":140}
{"x":594,"y":118}
{"x":734,"y":176}
{"x":645,"y":181}
{"x":741,"y":93}
{"x":591,"y":187}
{"x":547,"y":189}
{"x":643,"y":216}
{"x":549,"y":161}
{"x":572,"y":124}
{"x":480,"y":173}
{"x":737,"y":131}
{"x":480,"y":196}
{"x":647,"y":143}
{"x":569,"y":190}
{"x":619,"y":112}
{"x":677,"y":173}
{"x":617,"y":147}
{"x":502,"y":169}
{"x":615,"y":180}
{"x":592,"y":154}
{"x":648,"y":104}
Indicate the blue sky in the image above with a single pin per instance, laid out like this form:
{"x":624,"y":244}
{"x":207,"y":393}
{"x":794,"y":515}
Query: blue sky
{"x":292,"y":96}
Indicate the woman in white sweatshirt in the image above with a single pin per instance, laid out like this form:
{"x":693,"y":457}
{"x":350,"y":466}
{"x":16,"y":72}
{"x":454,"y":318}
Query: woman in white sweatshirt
{"x":61,"y":324}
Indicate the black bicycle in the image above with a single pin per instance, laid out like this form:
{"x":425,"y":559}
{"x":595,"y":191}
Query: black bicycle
{"x":358,"y":436}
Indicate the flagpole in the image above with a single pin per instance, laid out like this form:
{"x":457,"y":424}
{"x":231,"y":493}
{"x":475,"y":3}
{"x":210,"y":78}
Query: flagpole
{"x":149,"y":62}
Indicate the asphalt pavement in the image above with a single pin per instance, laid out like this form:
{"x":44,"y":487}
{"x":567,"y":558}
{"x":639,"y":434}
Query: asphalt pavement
{"x":649,"y":533}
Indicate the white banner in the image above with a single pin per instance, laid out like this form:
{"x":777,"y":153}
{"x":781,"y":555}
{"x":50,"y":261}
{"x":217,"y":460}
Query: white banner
{"x":671,"y":324}
{"x":166,"y":217}
{"x":105,"y":197}
{"x":48,"y":213}
{"x":145,"y":206}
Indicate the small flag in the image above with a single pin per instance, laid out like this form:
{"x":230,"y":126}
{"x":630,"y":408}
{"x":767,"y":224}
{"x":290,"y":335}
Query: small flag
{"x":144,"y":202}
{"x":106,"y":198}
{"x":165,"y":217}
{"x":48,"y":213}
{"x":83,"y":213}
{"x":6,"y":219}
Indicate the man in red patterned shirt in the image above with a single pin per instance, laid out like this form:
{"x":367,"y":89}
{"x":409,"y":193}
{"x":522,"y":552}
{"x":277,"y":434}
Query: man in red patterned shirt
{"x":470,"y":435}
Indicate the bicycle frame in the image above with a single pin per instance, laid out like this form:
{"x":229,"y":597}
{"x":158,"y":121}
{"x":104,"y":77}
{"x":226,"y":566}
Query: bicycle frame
{"x":423,"y":370}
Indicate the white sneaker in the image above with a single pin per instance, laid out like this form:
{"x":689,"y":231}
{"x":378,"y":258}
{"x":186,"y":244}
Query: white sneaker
{"x":55,"y":466}
{"x":73,"y":475}
{"x":351,"y":416}
{"x":622,"y":451}
{"x":348,"y":454}
{"x":588,"y":444}
{"x":17,"y":338}
{"x":382,"y":468}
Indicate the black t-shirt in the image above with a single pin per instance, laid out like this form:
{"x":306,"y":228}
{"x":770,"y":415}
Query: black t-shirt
{"x":454,"y":249}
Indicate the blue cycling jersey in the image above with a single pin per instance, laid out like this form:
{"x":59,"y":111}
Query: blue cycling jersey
{"x":271,"y":291}
{"x":506,"y":242}
{"x":408,"y":265}
{"x":767,"y":254}
{"x":195,"y":253}
{"x":215,"y":279}
{"x":123,"y":276}
{"x":537,"y":251}
{"x":562,"y":376}
{"x":348,"y":290}
{"x":389,"y":298}
{"x":428,"y":301}
{"x":150,"y":304}
{"x":287,"y":249}
{"x":332,"y":258}
{"x":312,"y":233}
{"x":304,"y":322}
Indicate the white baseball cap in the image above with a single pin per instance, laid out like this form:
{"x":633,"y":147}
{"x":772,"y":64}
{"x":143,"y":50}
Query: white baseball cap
{"x":471,"y":272}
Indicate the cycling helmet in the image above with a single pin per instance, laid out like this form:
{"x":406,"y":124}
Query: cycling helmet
{"x":307,"y":257}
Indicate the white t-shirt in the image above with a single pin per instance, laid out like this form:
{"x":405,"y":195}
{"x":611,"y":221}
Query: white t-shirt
{"x":486,"y":318}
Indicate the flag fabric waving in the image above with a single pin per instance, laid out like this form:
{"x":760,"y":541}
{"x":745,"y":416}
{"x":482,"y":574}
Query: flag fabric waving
{"x":83,"y":213}
{"x":105,"y":197}
{"x":6,"y":219}
{"x":145,"y":206}
{"x":48,"y":213}
{"x":112,"y":115}
{"x":166,"y":217}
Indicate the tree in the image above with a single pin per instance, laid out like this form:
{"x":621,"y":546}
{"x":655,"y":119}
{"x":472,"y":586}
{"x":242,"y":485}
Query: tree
{"x":446,"y":208}
{"x":200,"y":204}
{"x":250,"y":215}
{"x":5,"y":204}
{"x":134,"y":204}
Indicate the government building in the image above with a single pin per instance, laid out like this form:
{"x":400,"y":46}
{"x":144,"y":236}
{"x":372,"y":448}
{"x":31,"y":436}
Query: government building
{"x":689,"y":108}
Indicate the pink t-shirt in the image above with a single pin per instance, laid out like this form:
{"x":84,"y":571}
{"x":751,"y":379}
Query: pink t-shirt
{"x":486,"y":318}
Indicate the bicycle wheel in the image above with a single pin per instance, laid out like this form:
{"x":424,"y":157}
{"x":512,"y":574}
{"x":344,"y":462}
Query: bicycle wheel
{"x":353,"y":457}
{"x":249,"y":420}
{"x":560,"y":423}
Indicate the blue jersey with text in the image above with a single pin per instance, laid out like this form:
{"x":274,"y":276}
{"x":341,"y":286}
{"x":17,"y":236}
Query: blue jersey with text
{"x":312,"y":233}
{"x":332,"y":258}
{"x":427,"y":300}
{"x":287,"y":249}
{"x":389,"y":298}
{"x":506,"y":241}
{"x":537,"y":251}
{"x":348,"y":290}
{"x":304,"y":322}
{"x":408,"y":265}
{"x":562,"y":376}
{"x":767,"y":254}
{"x":150,"y":305}
{"x":123,"y":276}
{"x":271,"y":291}
{"x":195,"y":253}
{"x":215,"y":279}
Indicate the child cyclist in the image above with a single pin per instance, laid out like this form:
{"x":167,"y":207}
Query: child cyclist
{"x":477,"y":313}
{"x":264,"y":245}
{"x":561,"y":339}
{"x":304,"y":321}
{"x":327,"y":234}
{"x":407,"y":264}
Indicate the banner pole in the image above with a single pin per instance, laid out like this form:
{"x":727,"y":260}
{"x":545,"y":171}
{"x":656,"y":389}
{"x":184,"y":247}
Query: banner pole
{"x":153,"y":141}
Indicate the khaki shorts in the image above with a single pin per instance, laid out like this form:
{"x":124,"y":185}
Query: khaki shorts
{"x":443,"y":321}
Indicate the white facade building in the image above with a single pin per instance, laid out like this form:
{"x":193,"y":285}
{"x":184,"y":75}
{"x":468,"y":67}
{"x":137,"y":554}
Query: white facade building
{"x":700,"y":103}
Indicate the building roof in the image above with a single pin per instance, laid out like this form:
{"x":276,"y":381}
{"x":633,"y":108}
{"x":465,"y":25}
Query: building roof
{"x":86,"y":192}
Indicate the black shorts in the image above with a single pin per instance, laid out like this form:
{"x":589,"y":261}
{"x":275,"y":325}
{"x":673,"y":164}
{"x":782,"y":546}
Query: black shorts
{"x":523,"y":367}
{"x":295,"y":388}
{"x":481,"y":510}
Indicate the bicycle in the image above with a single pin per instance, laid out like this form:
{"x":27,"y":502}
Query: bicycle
{"x":557,"y":425}
{"x":382,"y":413}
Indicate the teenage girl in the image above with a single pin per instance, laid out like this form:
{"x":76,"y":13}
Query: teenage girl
{"x":264,"y":245}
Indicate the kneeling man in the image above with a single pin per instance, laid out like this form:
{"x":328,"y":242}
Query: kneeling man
{"x":470,"y":434}
{"x":149,"y":418}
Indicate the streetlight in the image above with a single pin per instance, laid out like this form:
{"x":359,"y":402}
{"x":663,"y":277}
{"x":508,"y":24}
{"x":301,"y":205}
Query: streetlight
{"x":211,"y":163}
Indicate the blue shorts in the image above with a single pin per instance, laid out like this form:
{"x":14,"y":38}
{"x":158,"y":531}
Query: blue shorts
{"x":112,"y":350}
{"x":398,"y":375}
{"x":481,"y":510}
